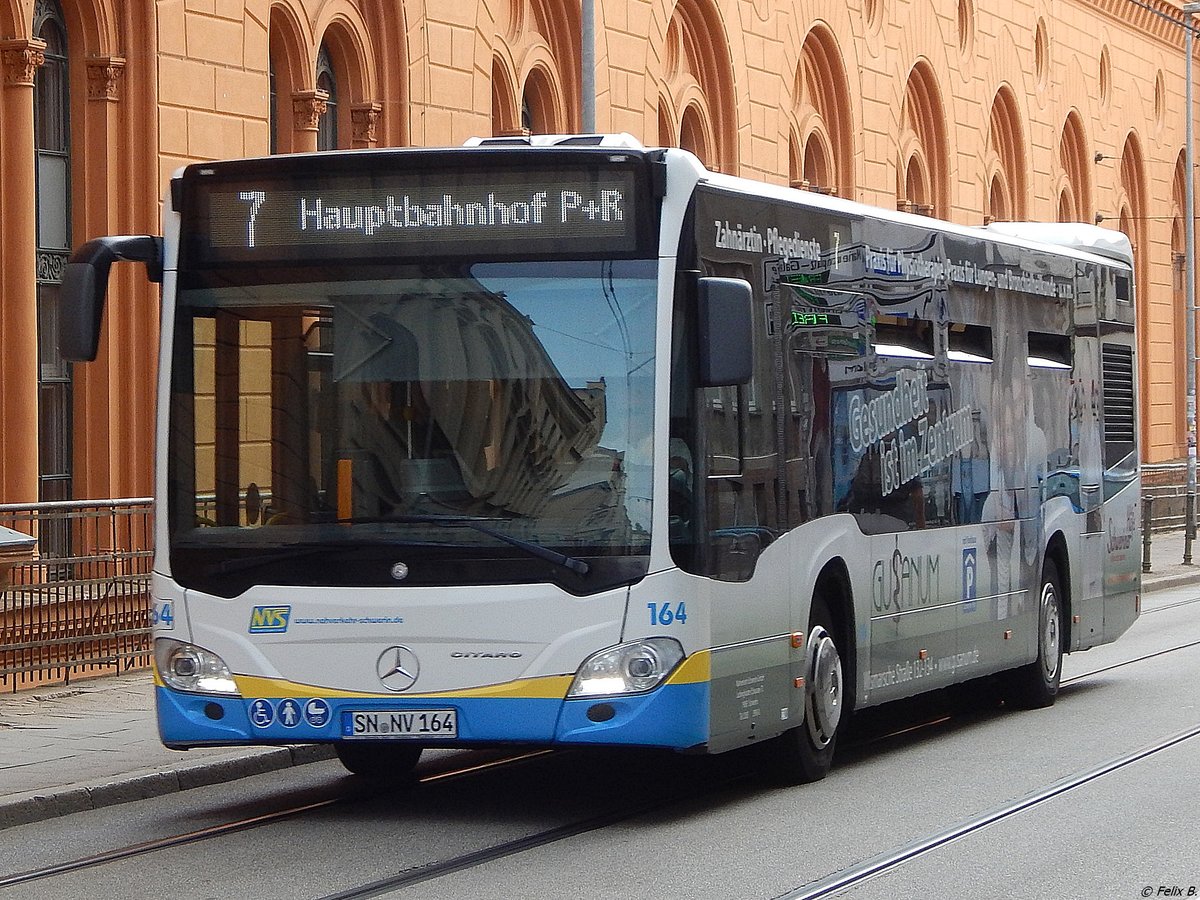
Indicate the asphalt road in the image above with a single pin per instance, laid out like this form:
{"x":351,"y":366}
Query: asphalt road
{"x":1096,"y":797}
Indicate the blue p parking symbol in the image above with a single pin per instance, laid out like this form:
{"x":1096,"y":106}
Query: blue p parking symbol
{"x":969,"y":570}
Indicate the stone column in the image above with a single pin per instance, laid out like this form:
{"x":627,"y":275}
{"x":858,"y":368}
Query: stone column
{"x":307,"y":109}
{"x":365,"y":119}
{"x":105,"y":390}
{"x":19,"y":60}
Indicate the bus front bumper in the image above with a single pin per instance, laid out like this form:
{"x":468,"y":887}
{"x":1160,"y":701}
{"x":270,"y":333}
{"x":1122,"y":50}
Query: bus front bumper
{"x":672,"y":716}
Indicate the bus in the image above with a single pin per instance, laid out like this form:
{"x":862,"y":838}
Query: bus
{"x":567,"y":441}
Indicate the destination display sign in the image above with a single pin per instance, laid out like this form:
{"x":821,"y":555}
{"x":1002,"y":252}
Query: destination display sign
{"x":373,"y":215}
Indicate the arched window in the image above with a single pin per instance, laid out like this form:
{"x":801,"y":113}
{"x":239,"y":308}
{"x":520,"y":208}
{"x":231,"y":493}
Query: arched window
{"x":998,"y":208}
{"x":694,"y":135}
{"x":1077,"y":166}
{"x":916,"y":193}
{"x":526,"y":115}
{"x":816,"y":164}
{"x":540,"y":111}
{"x":1066,"y":206}
{"x":697,"y":84}
{"x":52,"y":128}
{"x":923,"y":180}
{"x":821,"y":158}
{"x":327,"y":130}
{"x":1006,"y":156}
{"x":815,"y":171}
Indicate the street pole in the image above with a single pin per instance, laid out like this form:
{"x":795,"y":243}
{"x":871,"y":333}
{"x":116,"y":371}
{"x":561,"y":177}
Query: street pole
{"x":588,"y":67}
{"x":1189,"y":10}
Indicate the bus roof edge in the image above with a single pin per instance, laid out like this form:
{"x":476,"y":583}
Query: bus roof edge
{"x":1105,"y":242}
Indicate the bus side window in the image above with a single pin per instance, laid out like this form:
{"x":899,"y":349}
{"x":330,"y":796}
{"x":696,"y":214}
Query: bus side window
{"x":723,"y":427}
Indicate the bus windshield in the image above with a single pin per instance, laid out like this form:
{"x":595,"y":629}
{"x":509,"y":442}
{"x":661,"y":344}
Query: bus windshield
{"x":416,"y":424}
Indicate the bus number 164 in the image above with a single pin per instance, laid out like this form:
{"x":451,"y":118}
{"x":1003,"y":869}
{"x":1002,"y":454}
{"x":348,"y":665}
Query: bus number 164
{"x":664,"y":614}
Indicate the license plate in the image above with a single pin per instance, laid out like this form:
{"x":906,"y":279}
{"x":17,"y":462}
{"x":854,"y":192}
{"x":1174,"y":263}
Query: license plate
{"x":407,"y":723}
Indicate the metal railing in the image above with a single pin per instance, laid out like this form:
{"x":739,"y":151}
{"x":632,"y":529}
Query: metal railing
{"x":1165,"y":485}
{"x":82,"y":605}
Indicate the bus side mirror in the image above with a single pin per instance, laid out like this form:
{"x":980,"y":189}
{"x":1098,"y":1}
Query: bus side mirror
{"x":725,"y":331}
{"x":85,"y":283}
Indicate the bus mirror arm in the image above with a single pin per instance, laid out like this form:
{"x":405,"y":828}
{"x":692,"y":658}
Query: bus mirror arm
{"x":85,"y":283}
{"x":726,"y":351}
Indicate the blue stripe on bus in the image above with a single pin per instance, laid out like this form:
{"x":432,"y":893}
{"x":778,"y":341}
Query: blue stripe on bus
{"x":676,"y":716}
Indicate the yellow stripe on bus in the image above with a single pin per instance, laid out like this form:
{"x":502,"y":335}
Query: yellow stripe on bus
{"x":695,"y":669}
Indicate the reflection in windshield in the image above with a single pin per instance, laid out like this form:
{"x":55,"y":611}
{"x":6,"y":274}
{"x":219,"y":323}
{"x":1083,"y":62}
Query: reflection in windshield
{"x":519,"y":392}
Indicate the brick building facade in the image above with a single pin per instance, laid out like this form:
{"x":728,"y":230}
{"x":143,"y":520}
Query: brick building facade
{"x":972,"y":111}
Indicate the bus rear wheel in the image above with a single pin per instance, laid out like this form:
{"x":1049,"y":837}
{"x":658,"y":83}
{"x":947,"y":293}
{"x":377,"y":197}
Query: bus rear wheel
{"x":378,"y":761}
{"x":1036,"y":685}
{"x":804,"y":754}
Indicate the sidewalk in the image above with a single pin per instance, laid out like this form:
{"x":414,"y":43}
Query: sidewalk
{"x":93,"y":743}
{"x":66,"y":749}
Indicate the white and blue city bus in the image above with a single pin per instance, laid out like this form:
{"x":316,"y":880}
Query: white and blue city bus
{"x":567,"y":441}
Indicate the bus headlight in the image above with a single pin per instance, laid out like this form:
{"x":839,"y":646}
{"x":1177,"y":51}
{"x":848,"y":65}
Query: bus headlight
{"x":186,"y":667}
{"x":627,"y":668}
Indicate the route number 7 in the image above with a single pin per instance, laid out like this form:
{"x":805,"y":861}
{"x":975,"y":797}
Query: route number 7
{"x":256,"y":199}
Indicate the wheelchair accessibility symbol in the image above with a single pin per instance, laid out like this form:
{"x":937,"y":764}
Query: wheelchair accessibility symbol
{"x":262,"y":713}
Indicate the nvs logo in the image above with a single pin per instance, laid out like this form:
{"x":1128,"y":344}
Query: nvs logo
{"x":269,"y":619}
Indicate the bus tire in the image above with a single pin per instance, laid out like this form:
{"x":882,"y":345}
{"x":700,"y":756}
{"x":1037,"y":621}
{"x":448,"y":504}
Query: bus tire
{"x":805,"y":753}
{"x":378,"y":761}
{"x":1036,"y":685}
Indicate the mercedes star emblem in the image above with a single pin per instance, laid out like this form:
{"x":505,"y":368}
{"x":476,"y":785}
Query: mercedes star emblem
{"x":397,"y":668}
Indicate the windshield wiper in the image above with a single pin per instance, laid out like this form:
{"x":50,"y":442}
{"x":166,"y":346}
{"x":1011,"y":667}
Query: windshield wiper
{"x":573,"y":564}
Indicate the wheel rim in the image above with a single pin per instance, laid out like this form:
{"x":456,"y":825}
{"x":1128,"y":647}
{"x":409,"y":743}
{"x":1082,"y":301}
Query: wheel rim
{"x":1051,"y":647}
{"x":823,"y":688}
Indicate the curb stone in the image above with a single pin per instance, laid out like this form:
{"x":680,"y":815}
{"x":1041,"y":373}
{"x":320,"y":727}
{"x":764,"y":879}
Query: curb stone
{"x":37,"y":806}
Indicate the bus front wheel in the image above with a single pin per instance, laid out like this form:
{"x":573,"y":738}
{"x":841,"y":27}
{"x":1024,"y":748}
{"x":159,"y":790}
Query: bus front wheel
{"x":1036,"y":685}
{"x":805,"y":753}
{"x":378,"y":761}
